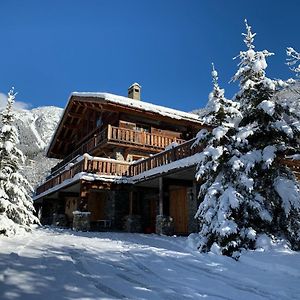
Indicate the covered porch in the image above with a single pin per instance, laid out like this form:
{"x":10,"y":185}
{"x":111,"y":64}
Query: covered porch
{"x":166,"y":203}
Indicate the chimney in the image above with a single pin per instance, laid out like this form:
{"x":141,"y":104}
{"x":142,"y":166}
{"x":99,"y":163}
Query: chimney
{"x":134,"y":91}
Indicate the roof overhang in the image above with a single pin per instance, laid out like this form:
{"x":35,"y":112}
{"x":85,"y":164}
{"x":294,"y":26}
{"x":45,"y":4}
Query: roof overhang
{"x":123,"y":104}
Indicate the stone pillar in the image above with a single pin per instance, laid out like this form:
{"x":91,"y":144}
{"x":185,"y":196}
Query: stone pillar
{"x":81,"y":221}
{"x":193,"y":225}
{"x":60,"y":220}
{"x":161,"y":197}
{"x":164,"y":225}
{"x":133,"y":223}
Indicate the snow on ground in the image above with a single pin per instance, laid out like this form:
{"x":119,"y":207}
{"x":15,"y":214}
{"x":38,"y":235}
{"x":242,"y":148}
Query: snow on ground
{"x":62,"y":264}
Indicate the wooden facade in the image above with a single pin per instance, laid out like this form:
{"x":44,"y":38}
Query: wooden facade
{"x":104,"y":146}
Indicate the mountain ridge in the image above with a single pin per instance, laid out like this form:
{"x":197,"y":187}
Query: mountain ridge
{"x":36,"y":127}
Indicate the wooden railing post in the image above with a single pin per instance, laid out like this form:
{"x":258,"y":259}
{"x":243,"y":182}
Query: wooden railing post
{"x":109,"y":132}
{"x":85,"y":163}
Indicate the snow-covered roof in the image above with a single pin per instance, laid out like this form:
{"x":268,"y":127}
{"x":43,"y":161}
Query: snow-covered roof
{"x":131,"y":103}
{"x":139,"y":104}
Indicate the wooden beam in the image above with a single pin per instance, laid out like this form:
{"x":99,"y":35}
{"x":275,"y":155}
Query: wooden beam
{"x":70,"y":126}
{"x":88,"y":104}
{"x":130,"y":202}
{"x":178,"y":182}
{"x":68,"y":194}
{"x":65,"y":141}
{"x":74,"y":115}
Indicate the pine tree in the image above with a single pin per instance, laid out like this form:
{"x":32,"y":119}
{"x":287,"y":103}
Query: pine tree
{"x":16,"y":206}
{"x":220,"y":110}
{"x":245,"y":190}
{"x":293,"y":59}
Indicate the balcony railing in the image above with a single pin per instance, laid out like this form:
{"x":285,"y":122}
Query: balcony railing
{"x":111,"y":167}
{"x":104,"y":166}
{"x":89,"y":164}
{"x":141,"y":138}
{"x":111,"y":134}
{"x":163,"y":158}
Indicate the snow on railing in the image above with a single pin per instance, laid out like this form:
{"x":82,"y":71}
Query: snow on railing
{"x":86,"y":164}
{"x":112,"y":167}
{"x":165,"y":157}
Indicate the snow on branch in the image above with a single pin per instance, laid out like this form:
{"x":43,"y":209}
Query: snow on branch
{"x":249,"y":36}
{"x":293,"y":59}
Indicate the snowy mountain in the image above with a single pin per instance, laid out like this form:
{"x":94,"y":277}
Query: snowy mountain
{"x":291,"y":96}
{"x":36,"y":127}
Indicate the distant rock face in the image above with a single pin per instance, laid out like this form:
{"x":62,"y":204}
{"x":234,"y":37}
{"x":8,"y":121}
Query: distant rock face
{"x":36,"y":127}
{"x":290,"y":96}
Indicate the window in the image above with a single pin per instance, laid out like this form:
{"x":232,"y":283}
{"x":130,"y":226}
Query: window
{"x":99,"y":122}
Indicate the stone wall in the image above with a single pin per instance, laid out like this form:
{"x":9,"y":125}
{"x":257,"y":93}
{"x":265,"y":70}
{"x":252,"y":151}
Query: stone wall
{"x":164,"y":225}
{"x":193,"y":225}
{"x":110,"y":207}
{"x":121,"y":208}
{"x":60,"y":220}
{"x":81,"y":221}
{"x":133,"y":223}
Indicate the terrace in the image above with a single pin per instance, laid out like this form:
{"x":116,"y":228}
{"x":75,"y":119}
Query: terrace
{"x":115,"y":168}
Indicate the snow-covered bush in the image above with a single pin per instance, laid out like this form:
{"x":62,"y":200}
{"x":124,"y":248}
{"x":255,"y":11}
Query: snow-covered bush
{"x":16,"y":207}
{"x":245,"y":191}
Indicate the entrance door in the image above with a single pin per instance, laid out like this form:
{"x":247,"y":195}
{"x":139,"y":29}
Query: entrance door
{"x":179,"y":209}
{"x":96,"y":205}
{"x":149,"y":213}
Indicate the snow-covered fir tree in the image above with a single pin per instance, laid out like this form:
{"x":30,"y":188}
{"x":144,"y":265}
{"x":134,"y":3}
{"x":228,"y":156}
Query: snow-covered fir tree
{"x":16,"y":206}
{"x":245,"y":190}
{"x":220,"y":110}
{"x":293,"y":59}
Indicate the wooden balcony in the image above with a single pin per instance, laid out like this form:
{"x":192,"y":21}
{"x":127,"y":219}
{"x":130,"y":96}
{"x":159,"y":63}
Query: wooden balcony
{"x":111,"y":135}
{"x":142,"y":139}
{"x":111,"y":167}
{"x":163,"y":158}
{"x":104,"y":166}
{"x":91,"y":165}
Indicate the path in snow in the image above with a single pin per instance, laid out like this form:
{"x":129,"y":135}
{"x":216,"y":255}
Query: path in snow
{"x":61,"y":264}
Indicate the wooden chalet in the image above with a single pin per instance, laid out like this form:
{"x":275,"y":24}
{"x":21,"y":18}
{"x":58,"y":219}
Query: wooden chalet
{"x":123,"y":163}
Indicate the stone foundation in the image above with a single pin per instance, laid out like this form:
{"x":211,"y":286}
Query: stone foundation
{"x":193,"y":225}
{"x":133,"y":223}
{"x":164,"y":225}
{"x":60,"y":220}
{"x":81,"y":221}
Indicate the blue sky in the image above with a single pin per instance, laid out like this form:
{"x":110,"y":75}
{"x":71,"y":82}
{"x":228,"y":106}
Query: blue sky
{"x":50,"y":48}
